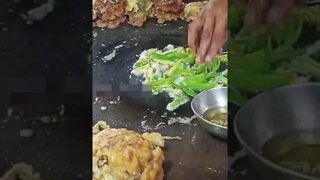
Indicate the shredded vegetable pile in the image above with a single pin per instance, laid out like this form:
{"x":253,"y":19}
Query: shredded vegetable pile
{"x":173,"y":71}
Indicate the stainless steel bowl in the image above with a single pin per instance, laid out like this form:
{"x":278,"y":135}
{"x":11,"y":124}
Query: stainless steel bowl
{"x":291,"y":109}
{"x":213,"y":98}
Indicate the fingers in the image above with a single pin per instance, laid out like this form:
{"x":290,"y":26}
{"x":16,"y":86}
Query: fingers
{"x":208,"y":34}
{"x":215,"y":49}
{"x":219,"y":35}
{"x":256,"y":11}
{"x":269,"y":12}
{"x":214,"y":31}
{"x":279,"y":11}
{"x":219,"y":38}
{"x":194,"y":33}
{"x":206,"y":38}
{"x":194,"y":30}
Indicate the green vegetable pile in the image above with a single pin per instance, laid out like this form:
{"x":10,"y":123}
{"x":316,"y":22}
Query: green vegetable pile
{"x":174,"y":71}
{"x":267,"y":58}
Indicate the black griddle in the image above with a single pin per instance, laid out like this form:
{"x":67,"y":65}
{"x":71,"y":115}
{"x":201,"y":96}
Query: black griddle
{"x":53,"y":150}
{"x":199,"y":155}
{"x":38,"y":61}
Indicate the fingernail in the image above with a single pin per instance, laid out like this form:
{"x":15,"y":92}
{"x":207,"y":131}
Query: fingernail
{"x":208,"y":59}
{"x":198,"y":59}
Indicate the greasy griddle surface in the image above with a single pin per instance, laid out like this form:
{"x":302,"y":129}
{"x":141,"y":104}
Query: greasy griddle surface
{"x":198,"y":155}
{"x":43,"y":52}
{"x":54,"y":149}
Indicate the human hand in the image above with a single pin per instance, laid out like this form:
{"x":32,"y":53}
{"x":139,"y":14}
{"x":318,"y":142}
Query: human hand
{"x":208,"y":34}
{"x":267,"y":12}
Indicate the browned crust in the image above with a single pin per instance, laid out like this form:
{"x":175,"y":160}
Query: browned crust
{"x":193,"y":10}
{"x":137,"y":18}
{"x":132,"y":147}
{"x":111,"y":13}
{"x":168,"y":10}
{"x":108,"y":13}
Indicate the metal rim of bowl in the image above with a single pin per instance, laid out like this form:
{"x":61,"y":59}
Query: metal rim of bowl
{"x":206,"y":121}
{"x":267,"y":162}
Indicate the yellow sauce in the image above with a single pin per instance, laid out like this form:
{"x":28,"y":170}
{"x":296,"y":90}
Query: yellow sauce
{"x":296,"y":156}
{"x":217,"y":115}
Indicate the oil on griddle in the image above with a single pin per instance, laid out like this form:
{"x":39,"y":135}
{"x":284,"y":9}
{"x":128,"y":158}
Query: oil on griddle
{"x":122,"y":101}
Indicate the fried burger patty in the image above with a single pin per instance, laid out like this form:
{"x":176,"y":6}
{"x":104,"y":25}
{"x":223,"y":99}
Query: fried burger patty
{"x":121,"y":154}
{"x":138,"y":11}
{"x":193,"y":10}
{"x":168,"y":10}
{"x":108,"y":13}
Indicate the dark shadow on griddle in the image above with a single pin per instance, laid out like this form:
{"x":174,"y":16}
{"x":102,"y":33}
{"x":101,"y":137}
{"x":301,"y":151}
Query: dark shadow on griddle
{"x":167,"y":165}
